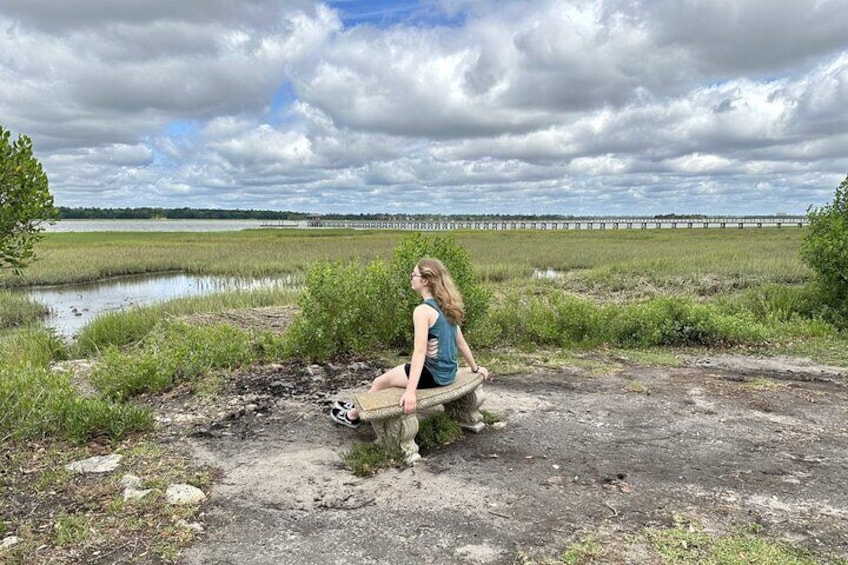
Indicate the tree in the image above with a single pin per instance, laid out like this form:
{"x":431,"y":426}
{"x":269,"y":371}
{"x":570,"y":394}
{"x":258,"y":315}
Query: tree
{"x":825,"y":250}
{"x":25,"y":201}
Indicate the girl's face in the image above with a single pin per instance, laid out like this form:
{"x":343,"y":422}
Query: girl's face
{"x":416,"y":281}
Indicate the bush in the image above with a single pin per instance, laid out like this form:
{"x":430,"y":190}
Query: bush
{"x":552,"y":318}
{"x":825,"y":250}
{"x":357,"y":308}
{"x":679,"y":321}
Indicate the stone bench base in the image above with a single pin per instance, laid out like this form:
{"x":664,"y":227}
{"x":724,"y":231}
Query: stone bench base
{"x":461,"y":400}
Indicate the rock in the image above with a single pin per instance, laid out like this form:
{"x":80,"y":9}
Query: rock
{"x":182,"y":495}
{"x":131,"y":493}
{"x":554,"y":481}
{"x":130,"y":481}
{"x":96,"y":464}
{"x":498,"y":425}
{"x":251,"y":408}
{"x":193,"y":526}
{"x":9,"y":542}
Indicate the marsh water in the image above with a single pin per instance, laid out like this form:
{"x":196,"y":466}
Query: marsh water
{"x":74,"y":306}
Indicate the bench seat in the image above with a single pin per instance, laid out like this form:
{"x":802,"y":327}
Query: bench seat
{"x":461,"y":400}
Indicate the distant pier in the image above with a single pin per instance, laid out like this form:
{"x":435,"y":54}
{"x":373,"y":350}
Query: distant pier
{"x":623,"y":223}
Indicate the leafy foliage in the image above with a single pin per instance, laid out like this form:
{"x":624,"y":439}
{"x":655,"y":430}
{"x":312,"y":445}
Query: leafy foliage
{"x":357,"y":308}
{"x":25,"y":201}
{"x":825,"y":250}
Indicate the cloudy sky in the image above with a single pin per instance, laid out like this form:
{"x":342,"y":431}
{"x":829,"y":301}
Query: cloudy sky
{"x":451,"y":106}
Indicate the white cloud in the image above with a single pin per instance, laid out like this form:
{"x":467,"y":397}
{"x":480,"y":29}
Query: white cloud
{"x":526,"y":106}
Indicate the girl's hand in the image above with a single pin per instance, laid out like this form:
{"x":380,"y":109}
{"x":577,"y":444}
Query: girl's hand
{"x":484,"y":372}
{"x":409,"y":401}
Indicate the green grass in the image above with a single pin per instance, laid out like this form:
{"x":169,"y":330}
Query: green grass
{"x":37,"y":402}
{"x":687,"y":543}
{"x":707,"y":261}
{"x":131,"y":326}
{"x":16,"y":310}
{"x":365,"y":459}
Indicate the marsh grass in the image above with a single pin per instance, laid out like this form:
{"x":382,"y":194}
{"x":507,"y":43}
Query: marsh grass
{"x":36,"y":402}
{"x":16,"y":310}
{"x":712,"y":260}
{"x":131,"y":326}
{"x":175,"y":353}
{"x":83,"y":257}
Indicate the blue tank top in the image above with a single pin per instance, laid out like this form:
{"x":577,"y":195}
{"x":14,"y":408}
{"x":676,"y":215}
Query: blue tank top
{"x":440,"y":359}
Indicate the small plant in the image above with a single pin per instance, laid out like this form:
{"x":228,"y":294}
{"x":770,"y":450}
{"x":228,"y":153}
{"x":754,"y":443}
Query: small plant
{"x":490,"y":418}
{"x":72,"y":528}
{"x":365,"y":459}
{"x":583,"y":552}
{"x":638,"y":387}
{"x":437,"y":430}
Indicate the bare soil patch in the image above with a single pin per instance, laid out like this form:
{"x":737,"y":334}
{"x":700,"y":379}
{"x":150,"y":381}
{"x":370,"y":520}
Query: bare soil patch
{"x":722,"y":440}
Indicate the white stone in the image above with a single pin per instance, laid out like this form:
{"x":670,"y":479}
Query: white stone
{"x":498,"y":425}
{"x":182,"y":494}
{"x":136,"y":494}
{"x":96,"y":464}
{"x":193,"y":526}
{"x":9,"y":542}
{"x":130,"y":481}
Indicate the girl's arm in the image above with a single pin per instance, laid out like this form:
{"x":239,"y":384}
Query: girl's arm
{"x":421,"y":321}
{"x":465,"y":351}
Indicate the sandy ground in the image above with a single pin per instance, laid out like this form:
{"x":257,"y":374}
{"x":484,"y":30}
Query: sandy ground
{"x":724,"y":440}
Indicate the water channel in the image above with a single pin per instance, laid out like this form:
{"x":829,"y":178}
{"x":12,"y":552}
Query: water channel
{"x":74,"y":306}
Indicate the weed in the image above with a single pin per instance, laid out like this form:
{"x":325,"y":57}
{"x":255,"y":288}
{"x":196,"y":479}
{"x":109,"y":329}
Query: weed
{"x":762,"y":383}
{"x":637,"y":386}
{"x":583,"y":552}
{"x":72,"y":528}
{"x":365,"y":459}
{"x":490,"y":418}
{"x":687,"y":543}
{"x":437,"y":430}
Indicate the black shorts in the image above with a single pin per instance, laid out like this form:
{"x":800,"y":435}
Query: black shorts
{"x":426,"y":380}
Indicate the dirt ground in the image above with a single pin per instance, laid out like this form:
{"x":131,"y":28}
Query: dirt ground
{"x":723,"y":440}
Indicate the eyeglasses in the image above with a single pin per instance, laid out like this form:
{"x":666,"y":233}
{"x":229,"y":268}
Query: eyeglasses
{"x":413,"y":275}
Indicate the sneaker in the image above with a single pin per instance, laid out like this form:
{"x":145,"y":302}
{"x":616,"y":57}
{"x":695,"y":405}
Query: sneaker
{"x":340,"y":417}
{"x":343,"y":405}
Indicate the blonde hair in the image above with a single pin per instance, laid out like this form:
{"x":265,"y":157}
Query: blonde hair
{"x":443,"y":288}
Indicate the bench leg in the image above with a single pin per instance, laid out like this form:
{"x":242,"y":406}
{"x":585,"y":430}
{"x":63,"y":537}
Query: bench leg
{"x":399,"y":432}
{"x":467,"y":410}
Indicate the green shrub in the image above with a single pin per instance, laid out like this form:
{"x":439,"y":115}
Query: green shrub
{"x":825,"y":250}
{"x":357,"y":308}
{"x":552,"y":318}
{"x":458,"y":262}
{"x":678,"y":321}
{"x":775,"y":303}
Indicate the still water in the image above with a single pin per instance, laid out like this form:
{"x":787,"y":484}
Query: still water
{"x":74,"y":306}
{"x":166,"y":225}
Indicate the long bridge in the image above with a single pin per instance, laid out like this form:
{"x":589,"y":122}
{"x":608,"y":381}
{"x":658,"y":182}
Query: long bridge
{"x":605,"y":223}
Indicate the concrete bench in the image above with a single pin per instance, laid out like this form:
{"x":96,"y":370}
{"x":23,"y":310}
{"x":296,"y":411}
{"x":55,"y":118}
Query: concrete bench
{"x":461,"y":400}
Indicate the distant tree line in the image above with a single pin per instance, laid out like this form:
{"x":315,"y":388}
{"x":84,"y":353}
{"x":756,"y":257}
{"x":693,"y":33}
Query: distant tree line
{"x":174,"y":214}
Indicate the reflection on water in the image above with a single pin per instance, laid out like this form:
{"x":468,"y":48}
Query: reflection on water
{"x":549,"y":274}
{"x":74,"y":306}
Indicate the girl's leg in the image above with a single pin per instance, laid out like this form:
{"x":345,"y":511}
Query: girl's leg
{"x":393,"y":377}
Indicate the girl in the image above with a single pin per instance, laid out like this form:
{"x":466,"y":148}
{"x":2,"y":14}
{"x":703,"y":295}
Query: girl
{"x":438,"y":337}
